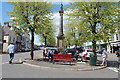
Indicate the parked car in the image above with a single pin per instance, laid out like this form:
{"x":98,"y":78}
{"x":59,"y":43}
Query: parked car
{"x":18,"y":50}
{"x":80,"y":49}
{"x":22,"y":49}
{"x":72,"y":51}
{"x":53,"y":48}
{"x":86,"y":53}
{"x":27,"y":49}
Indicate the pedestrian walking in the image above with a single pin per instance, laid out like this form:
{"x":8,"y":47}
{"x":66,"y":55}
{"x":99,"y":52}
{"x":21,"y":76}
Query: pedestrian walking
{"x":118,"y":55}
{"x":104,"y":57}
{"x":11,"y":51}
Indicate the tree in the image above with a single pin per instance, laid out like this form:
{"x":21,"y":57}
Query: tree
{"x":97,"y":18}
{"x":71,"y":35}
{"x":47,"y":35}
{"x":30,"y":16}
{"x":75,"y":32}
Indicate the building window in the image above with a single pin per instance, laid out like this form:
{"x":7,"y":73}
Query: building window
{"x":112,"y":37}
{"x":116,"y":36}
{"x":10,"y":39}
{"x":13,"y":40}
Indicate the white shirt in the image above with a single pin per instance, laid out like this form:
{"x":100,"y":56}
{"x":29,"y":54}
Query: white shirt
{"x":51,"y":52}
{"x":11,"y":48}
{"x":104,"y":54}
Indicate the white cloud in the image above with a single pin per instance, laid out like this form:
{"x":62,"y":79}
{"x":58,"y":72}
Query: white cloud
{"x":12,"y":18}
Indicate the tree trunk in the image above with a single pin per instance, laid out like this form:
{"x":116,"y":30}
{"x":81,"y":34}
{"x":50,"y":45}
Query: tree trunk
{"x":75,"y":45}
{"x":45,"y":41}
{"x":94,"y":38}
{"x":32,"y":44}
{"x":69,"y":45}
{"x":94,"y":46}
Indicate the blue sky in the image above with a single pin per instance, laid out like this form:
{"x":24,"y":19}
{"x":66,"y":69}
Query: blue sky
{"x":7,"y":7}
{"x":4,"y":7}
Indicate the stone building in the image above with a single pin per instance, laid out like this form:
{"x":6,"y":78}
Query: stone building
{"x":9,"y":36}
{"x":21,"y":41}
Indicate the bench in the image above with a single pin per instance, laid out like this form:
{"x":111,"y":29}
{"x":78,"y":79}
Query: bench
{"x":62,"y":57}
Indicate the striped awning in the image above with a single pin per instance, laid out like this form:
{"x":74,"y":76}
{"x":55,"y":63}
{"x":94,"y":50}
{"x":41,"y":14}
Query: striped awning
{"x":115,"y":44}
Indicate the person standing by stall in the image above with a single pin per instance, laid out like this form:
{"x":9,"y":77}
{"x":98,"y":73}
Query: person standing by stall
{"x":104,"y":57}
{"x":118,"y":55}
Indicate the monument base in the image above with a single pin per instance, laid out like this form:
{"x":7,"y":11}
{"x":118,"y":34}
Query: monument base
{"x":60,"y":43}
{"x":61,"y":50}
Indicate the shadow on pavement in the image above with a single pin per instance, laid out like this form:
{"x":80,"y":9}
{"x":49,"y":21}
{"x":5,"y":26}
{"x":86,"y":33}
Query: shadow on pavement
{"x":56,"y":62}
{"x":113,"y":64}
{"x":110,"y":63}
{"x":17,"y":63}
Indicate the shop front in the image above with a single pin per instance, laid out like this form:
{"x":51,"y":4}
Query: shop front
{"x":115,"y":46}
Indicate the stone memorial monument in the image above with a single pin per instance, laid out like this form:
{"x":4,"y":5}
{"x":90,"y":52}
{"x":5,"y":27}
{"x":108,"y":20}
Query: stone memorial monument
{"x":60,"y":37}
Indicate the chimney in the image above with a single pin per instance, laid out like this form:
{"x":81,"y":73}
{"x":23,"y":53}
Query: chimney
{"x":6,"y":24}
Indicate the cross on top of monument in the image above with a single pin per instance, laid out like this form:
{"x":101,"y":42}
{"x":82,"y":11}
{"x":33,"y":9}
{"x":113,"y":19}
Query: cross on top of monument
{"x":61,"y":6}
{"x":61,"y":9}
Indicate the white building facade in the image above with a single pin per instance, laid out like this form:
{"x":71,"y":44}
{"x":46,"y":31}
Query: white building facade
{"x":9,"y":36}
{"x":111,"y":47}
{"x":115,"y":41}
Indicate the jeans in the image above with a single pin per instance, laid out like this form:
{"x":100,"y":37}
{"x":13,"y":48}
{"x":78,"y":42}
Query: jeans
{"x":104,"y":62}
{"x":11,"y":56}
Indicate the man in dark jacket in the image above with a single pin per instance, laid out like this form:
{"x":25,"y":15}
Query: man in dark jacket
{"x":118,"y":55}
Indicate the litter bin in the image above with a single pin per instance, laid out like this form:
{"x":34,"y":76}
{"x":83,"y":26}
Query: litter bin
{"x":93,"y":59}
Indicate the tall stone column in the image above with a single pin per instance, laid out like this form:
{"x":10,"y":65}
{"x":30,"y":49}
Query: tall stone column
{"x":60,"y":37}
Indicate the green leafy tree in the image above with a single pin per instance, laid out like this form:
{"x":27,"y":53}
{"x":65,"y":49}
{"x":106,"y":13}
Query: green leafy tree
{"x":96,"y":20}
{"x":47,"y":35}
{"x":74,"y":32}
{"x":71,"y":35}
{"x":30,"y":16}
